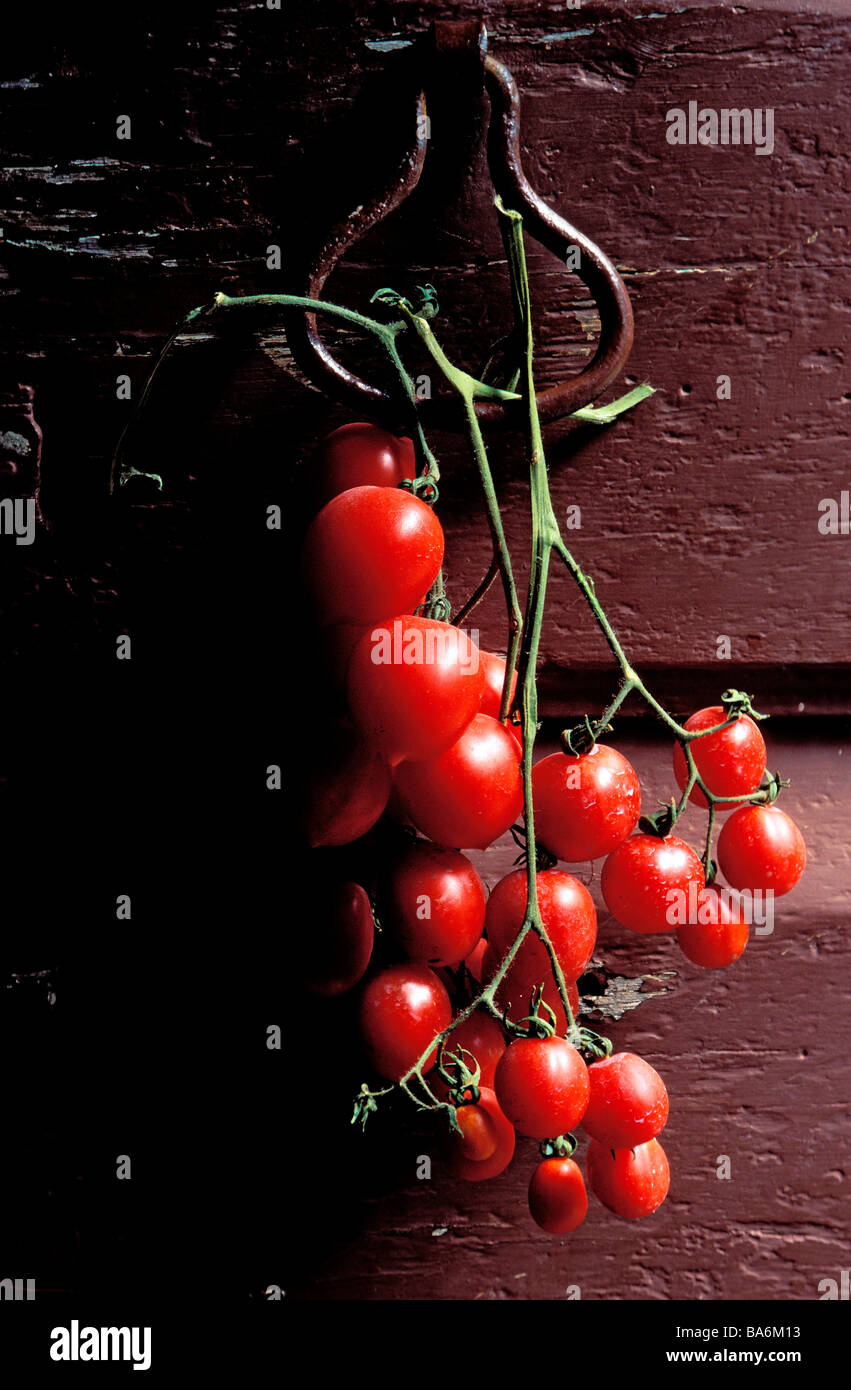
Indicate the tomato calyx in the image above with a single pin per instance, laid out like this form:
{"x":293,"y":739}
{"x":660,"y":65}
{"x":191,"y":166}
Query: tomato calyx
{"x":366,"y":1104}
{"x":462,"y":1080}
{"x":563,"y":1146}
{"x":736,"y":702}
{"x":580,"y":739}
{"x":590,"y":1045}
{"x":538,"y":1026}
{"x":773,"y":787}
{"x":660,"y":822}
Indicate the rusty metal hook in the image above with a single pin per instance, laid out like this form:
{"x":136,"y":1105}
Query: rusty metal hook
{"x":469,"y":39}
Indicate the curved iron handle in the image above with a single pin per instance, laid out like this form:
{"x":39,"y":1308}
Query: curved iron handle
{"x":544,"y":224}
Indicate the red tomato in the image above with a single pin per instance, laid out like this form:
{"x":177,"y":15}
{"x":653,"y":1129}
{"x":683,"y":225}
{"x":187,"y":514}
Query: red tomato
{"x":630,"y":1182}
{"x":585,"y":806}
{"x":514,"y":993}
{"x":496,"y":1127}
{"x":478,"y":1138}
{"x":567,"y":912}
{"x":334,"y":954}
{"x":337,"y":643}
{"x":719,"y":934}
{"x":475,"y":959}
{"x":359,"y":455}
{"x":481,"y":1035}
{"x":401,"y":1010}
{"x":434,"y":903}
{"x":641,"y":874}
{"x":371,"y":552}
{"x":731,"y":762}
{"x":469,"y":795}
{"x":628,"y":1103}
{"x":542,"y":1086}
{"x":413,"y":686}
{"x":760,"y":847}
{"x":347,"y":789}
{"x":557,"y":1197}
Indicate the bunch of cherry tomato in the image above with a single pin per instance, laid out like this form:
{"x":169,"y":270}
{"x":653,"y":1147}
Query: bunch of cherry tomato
{"x":418,"y":740}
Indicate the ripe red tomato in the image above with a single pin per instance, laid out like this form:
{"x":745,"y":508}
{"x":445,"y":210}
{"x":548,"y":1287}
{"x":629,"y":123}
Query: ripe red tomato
{"x":640,"y":874}
{"x":481,"y":1035}
{"x":719,"y":934}
{"x":587,"y":805}
{"x":630,"y":1182}
{"x":478,"y":1138}
{"x":347,"y":788}
{"x":542,"y":1086}
{"x":760,"y":847}
{"x":567,"y":912}
{"x":401,"y":1010}
{"x":413,"y":686}
{"x":434,"y":904}
{"x":557,"y":1197}
{"x":335,"y":953}
{"x":731,"y":762}
{"x":469,"y":795}
{"x":371,"y":552}
{"x":515,"y":991}
{"x":628,"y":1103}
{"x":359,"y":455}
{"x":495,"y":1127}
{"x":475,"y":959}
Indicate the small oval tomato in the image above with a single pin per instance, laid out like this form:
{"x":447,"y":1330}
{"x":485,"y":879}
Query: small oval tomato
{"x":761,"y":848}
{"x":480,"y":1035}
{"x":719,"y":933}
{"x":334,"y":954}
{"x":585,"y":805}
{"x":557,"y":1197}
{"x":630,"y":1182}
{"x":401,"y":1010}
{"x":371,"y":552}
{"x":413,"y":686}
{"x":567,"y":912}
{"x":730,"y":762}
{"x":347,"y":788}
{"x":542,"y":1086}
{"x":474,"y":961}
{"x":494,"y":669}
{"x":515,"y":990}
{"x":360,"y":455}
{"x":643,"y":878}
{"x":469,"y":795}
{"x":628,"y":1103}
{"x":434,"y":903}
{"x":478,"y":1138}
{"x":495,"y":1126}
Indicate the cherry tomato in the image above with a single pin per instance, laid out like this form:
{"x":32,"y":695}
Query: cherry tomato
{"x":730,"y":762}
{"x":515,"y":990}
{"x":478,"y":1138}
{"x":760,"y":847}
{"x":639,"y":876}
{"x":334,"y":954}
{"x":413,"y":686}
{"x":542,"y":1086}
{"x":475,"y":959}
{"x":628,"y":1103}
{"x":481,"y":1035}
{"x":630,"y":1182}
{"x":557,"y":1197}
{"x":401,"y":1010}
{"x":494,"y":668}
{"x":434,"y":903}
{"x":719,"y":934}
{"x":371,"y":552}
{"x":469,"y":795}
{"x":585,"y":806}
{"x":359,"y":455}
{"x":567,"y":912}
{"x":337,"y":643}
{"x":498,"y":1128}
{"x":347,"y":788}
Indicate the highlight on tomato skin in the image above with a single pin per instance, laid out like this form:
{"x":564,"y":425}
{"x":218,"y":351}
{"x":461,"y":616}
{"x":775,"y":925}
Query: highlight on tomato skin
{"x":630,"y":1182}
{"x":542,"y":1086}
{"x":731,"y":762}
{"x":558,"y":1201}
{"x":433,"y":902}
{"x":401,"y":1010}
